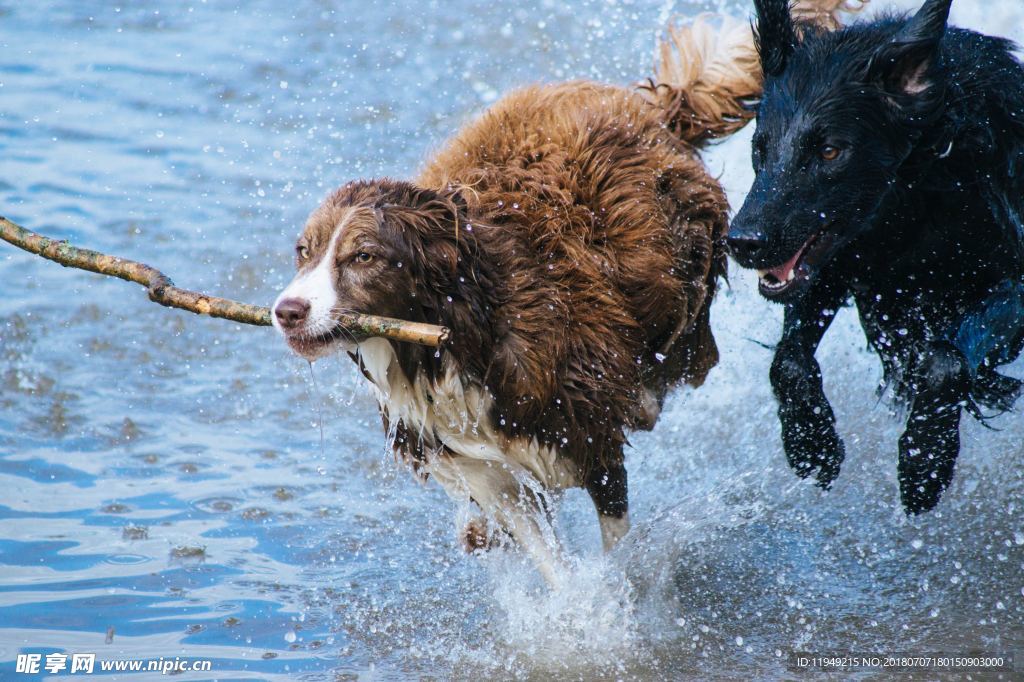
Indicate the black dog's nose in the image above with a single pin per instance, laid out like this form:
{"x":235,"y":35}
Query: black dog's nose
{"x":291,"y":312}
{"x":745,"y":247}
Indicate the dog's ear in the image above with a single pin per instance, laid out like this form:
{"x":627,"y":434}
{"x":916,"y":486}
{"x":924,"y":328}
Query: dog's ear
{"x":454,"y":194}
{"x":903,"y":65}
{"x":431,"y":225}
{"x":774,"y":35}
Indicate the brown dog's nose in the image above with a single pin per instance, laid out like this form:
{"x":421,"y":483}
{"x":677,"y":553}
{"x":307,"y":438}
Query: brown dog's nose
{"x":291,"y":312}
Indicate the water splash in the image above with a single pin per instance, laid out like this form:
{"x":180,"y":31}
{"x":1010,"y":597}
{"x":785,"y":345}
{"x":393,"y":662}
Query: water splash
{"x":586,"y":627}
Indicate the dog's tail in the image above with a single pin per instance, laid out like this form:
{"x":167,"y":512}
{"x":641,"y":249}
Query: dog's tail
{"x":708,"y":73}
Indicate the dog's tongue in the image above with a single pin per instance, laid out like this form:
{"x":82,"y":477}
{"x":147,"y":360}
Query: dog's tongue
{"x":782,"y":272}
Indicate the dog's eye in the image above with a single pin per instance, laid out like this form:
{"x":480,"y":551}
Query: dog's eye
{"x":830,"y":152}
{"x":363,"y":257}
{"x":302,"y":252}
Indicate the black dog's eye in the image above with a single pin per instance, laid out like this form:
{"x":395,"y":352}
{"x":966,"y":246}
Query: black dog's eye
{"x":302,"y":251}
{"x":363,"y":257}
{"x":830,"y":152}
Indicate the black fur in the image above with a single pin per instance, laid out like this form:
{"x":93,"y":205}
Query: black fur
{"x":889,"y":161}
{"x":775,"y":35}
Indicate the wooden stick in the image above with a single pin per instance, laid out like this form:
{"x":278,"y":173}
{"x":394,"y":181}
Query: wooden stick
{"x":162,"y":290}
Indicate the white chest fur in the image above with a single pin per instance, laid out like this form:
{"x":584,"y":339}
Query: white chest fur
{"x":448,"y":415}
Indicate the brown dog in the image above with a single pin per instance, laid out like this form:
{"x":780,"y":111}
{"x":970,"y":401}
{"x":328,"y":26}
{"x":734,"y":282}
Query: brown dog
{"x":571,"y":239}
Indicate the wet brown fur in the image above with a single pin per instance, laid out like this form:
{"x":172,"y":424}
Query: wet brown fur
{"x":569,"y":238}
{"x":564,"y":238}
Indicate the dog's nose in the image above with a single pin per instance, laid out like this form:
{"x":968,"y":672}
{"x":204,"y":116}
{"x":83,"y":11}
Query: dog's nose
{"x":745,"y":247}
{"x":291,"y":312}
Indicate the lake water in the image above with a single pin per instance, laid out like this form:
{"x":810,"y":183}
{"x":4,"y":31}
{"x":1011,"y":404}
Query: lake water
{"x":166,"y":490}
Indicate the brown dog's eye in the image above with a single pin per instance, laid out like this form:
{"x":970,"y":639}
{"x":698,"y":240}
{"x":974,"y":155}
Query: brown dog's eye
{"x":363,"y":257}
{"x":302,"y":252}
{"x":829,"y":152}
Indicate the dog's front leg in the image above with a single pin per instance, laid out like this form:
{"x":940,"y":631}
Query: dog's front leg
{"x":608,"y":490}
{"x":809,"y":436}
{"x":525,"y":521}
{"x":931,"y":442}
{"x":514,"y":500}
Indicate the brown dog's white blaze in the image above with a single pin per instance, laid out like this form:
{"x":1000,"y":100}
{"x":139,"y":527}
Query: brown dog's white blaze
{"x":302,"y":312}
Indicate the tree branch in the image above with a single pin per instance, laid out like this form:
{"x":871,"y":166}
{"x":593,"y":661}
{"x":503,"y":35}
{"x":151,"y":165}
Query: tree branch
{"x":162,"y":290}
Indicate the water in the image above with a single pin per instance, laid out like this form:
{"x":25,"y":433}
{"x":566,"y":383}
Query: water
{"x":163,"y":474}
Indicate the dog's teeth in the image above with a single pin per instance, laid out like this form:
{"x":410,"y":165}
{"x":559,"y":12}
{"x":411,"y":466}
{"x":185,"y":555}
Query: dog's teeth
{"x":762,"y":273}
{"x":789,"y":277}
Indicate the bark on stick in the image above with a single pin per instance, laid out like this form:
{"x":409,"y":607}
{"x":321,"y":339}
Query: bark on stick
{"x":162,"y":290}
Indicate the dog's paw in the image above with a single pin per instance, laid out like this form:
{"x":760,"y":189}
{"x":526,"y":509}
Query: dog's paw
{"x":922,"y":484}
{"x":928,"y":452}
{"x":813,"y":449}
{"x":477,"y":537}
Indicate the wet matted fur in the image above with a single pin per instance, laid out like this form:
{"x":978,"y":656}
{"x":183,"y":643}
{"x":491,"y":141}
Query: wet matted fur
{"x":571,"y":240}
{"x":889,"y":161}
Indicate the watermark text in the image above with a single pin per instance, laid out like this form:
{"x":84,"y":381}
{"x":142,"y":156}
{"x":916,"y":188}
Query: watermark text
{"x":87,"y":664}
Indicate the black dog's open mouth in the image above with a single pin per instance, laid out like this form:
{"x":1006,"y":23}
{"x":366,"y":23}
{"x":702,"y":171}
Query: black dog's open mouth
{"x":777,"y":281}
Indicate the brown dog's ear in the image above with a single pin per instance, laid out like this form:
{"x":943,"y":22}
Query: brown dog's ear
{"x":454,"y":195}
{"x":774,"y":35}
{"x":903,"y":66}
{"x":428,"y":225}
{"x":453,"y":285}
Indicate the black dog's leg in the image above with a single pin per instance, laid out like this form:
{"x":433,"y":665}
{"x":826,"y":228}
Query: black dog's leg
{"x":607,"y":488}
{"x":931,"y":442}
{"x":990,"y":335}
{"x":808,"y":423}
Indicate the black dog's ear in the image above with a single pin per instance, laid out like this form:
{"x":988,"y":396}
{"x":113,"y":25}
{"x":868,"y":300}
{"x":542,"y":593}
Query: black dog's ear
{"x":774,"y":34}
{"x":902,"y":65}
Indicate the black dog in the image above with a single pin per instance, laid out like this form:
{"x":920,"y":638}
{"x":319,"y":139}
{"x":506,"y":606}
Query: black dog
{"x":889,"y":161}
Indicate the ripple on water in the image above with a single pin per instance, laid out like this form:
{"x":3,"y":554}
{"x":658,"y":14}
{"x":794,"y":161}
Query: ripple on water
{"x":127,"y":559}
{"x":217,"y":505}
